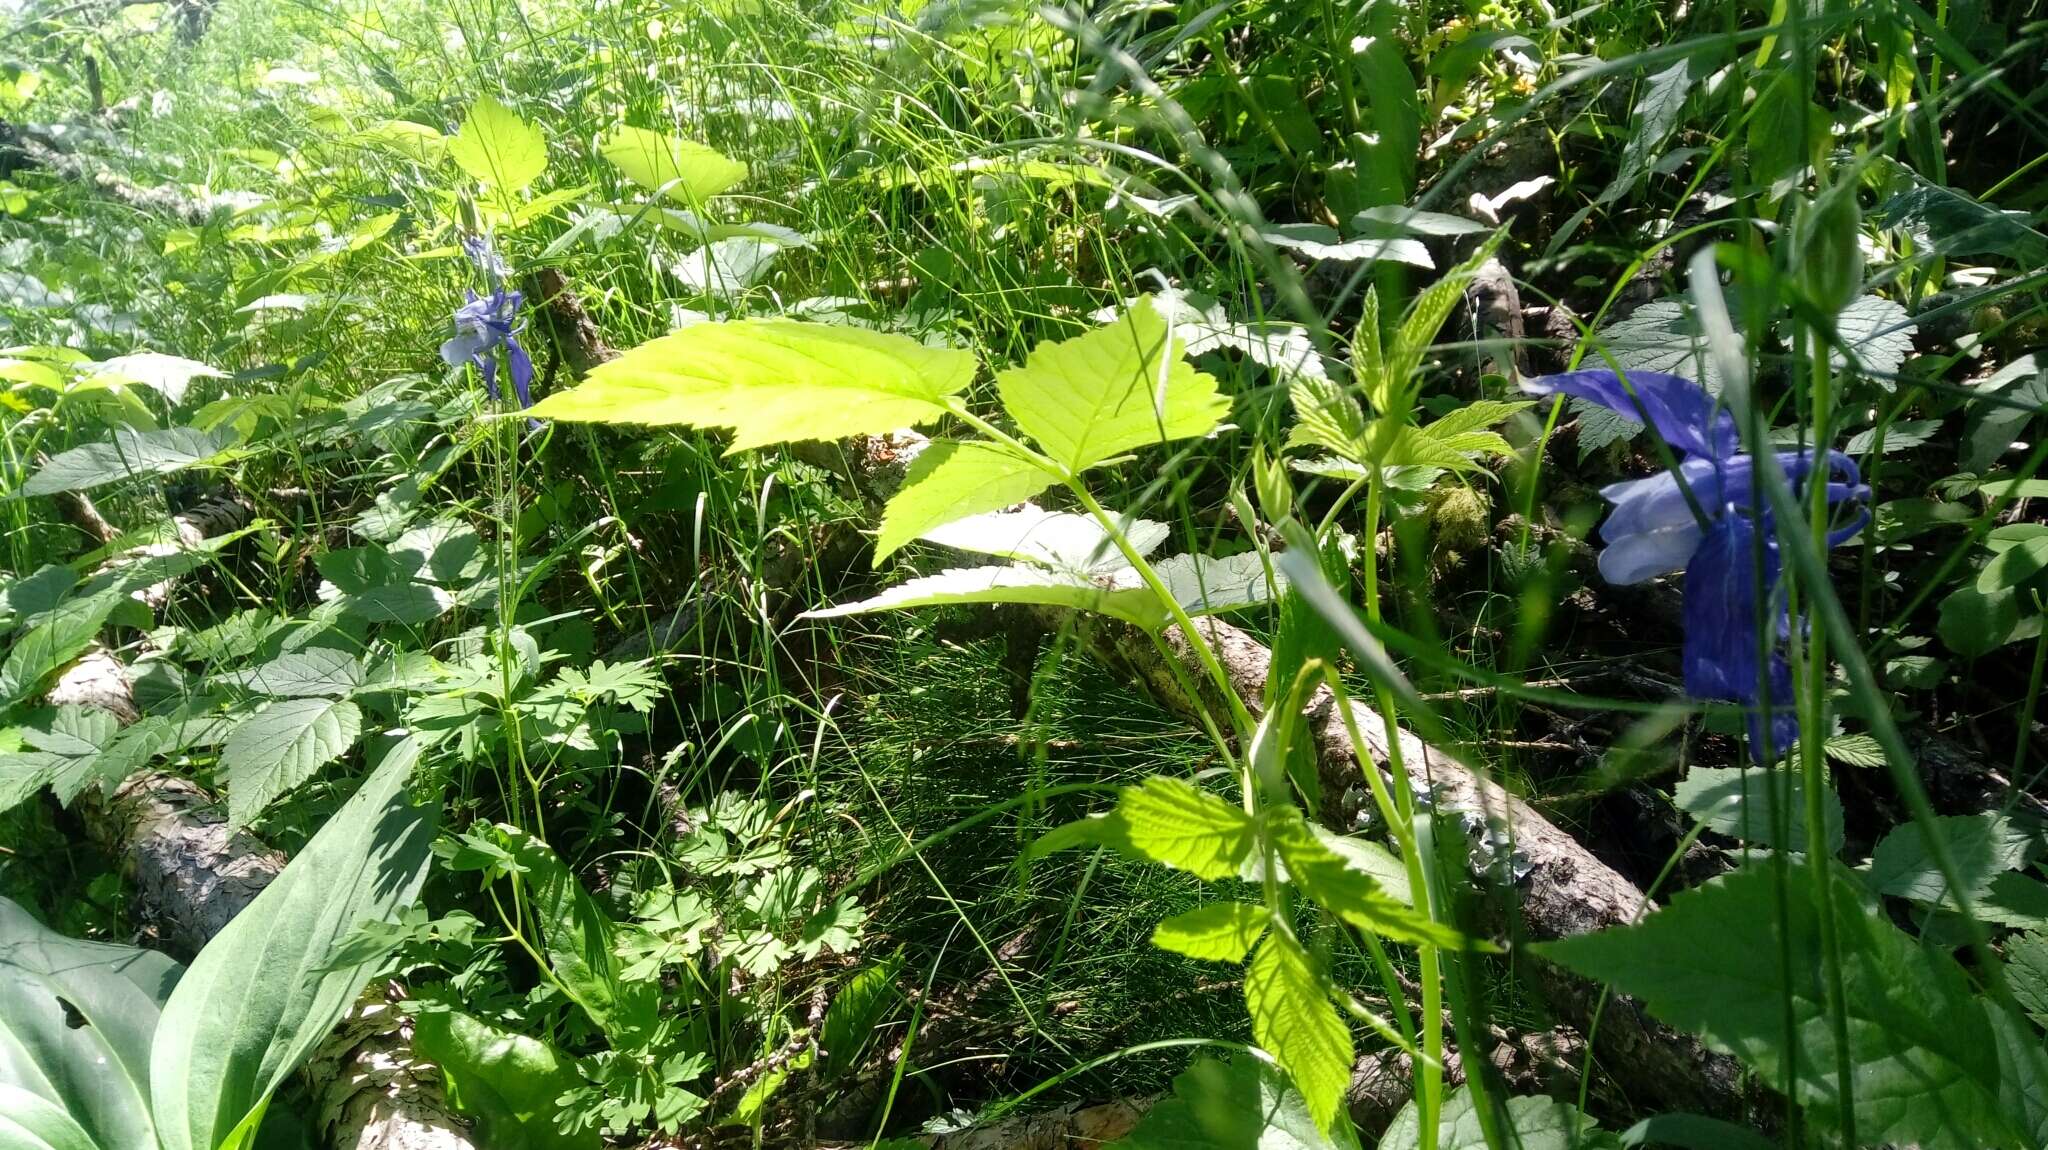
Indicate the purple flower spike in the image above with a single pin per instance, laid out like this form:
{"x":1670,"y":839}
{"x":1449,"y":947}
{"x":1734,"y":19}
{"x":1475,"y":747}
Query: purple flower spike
{"x":1702,"y":519}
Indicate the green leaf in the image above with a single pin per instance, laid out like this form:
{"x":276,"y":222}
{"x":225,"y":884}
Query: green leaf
{"x":2026,"y":972}
{"x":1865,"y":750}
{"x":504,"y":1081}
{"x":1425,"y":318}
{"x":951,"y":480}
{"x":1177,"y":825}
{"x":679,"y":169}
{"x":1351,"y":893}
{"x":60,"y":637}
{"x":1538,"y":1122}
{"x":1294,"y":1020}
{"x":1202,"y":586}
{"x":2014,"y":566}
{"x":281,"y":746}
{"x":310,"y":672}
{"x":576,"y":933}
{"x":129,"y":454}
{"x":1694,"y":1132}
{"x":1322,"y":242}
{"x":1121,"y":386}
{"x":31,"y":1122}
{"x":267,"y":989}
{"x":1243,"y":1104}
{"x":1220,"y":932}
{"x":1974,"y":623}
{"x":76,"y":1019}
{"x":1743,"y":804}
{"x":498,"y":148}
{"x":1070,"y":543}
{"x":1925,"y":1062}
{"x":1982,"y":846}
{"x":772,"y":381}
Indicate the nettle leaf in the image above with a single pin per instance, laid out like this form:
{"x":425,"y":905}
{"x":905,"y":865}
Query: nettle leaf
{"x":1294,"y":1020}
{"x":1880,"y":334}
{"x":2026,"y":972}
{"x":680,"y":169}
{"x":1537,"y":1122}
{"x":1982,"y":846}
{"x":311,"y":672}
{"x":1244,"y":1104}
{"x":1744,"y":805}
{"x":1351,"y":892}
{"x":281,"y":746}
{"x":1656,"y":115}
{"x":498,"y":148}
{"x":1178,"y":825}
{"x":951,"y":480}
{"x":1219,"y":932}
{"x":1089,"y":399}
{"x":1928,"y":1068}
{"x":130,"y":454}
{"x":59,"y":637}
{"x":771,"y":381}
{"x":1902,"y":436}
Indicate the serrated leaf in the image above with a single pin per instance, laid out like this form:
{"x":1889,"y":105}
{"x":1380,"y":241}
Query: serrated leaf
{"x":1924,"y":1057}
{"x":1351,"y":893}
{"x":772,"y":381}
{"x":1535,"y":1122}
{"x":1426,"y":316}
{"x":1120,"y":387}
{"x":1880,"y":333}
{"x":1660,"y":336}
{"x":680,"y":169}
{"x":498,"y":148}
{"x":2026,"y":972}
{"x":1219,"y":932}
{"x":1743,"y":804}
{"x":280,"y":747}
{"x":1294,"y":1020}
{"x":131,"y":453}
{"x":1863,"y":750}
{"x":1178,"y":825}
{"x":1902,"y":436}
{"x":53,"y":642}
{"x":1477,"y":415}
{"x":1654,"y":117}
{"x":310,"y":672}
{"x":951,"y":480}
{"x":1982,"y":846}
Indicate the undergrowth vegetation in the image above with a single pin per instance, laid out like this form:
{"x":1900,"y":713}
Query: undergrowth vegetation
{"x":1289,"y":572}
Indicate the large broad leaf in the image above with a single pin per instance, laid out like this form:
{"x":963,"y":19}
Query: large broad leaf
{"x":169,"y":375}
{"x":32,"y":1122}
{"x":1538,"y":1123}
{"x":1948,"y":222}
{"x":506,"y":1082}
{"x":1243,"y":1104}
{"x":281,"y":746}
{"x":498,"y":148}
{"x":1321,"y":242}
{"x":315,"y":671}
{"x":1294,"y":1019}
{"x":680,"y":169}
{"x":131,"y":453}
{"x":1744,"y":805}
{"x":1982,"y":847}
{"x":272,"y":985}
{"x":76,"y":1019}
{"x":1923,"y":1051}
{"x":1091,"y":398}
{"x":771,"y":381}
{"x":949,"y":481}
{"x":57,"y":638}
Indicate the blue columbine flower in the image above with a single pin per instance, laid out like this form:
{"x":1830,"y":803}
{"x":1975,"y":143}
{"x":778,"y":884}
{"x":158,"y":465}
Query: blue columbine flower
{"x":1705,"y":520}
{"x":486,"y":324}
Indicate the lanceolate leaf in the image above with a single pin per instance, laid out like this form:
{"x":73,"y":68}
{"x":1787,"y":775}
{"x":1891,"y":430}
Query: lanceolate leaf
{"x":680,"y":169}
{"x":267,"y":988}
{"x":1122,"y":386}
{"x":951,"y":480}
{"x":771,"y":381}
{"x":1294,"y":1020}
{"x":32,"y":1122}
{"x":76,"y":1019}
{"x":281,"y":746}
{"x":131,"y":453}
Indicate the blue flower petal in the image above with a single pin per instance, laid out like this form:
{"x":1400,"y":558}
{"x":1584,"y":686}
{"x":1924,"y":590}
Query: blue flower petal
{"x":1680,"y":410}
{"x":521,"y":366}
{"x":1721,"y":655}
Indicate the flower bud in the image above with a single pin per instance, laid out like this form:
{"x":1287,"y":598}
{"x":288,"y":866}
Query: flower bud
{"x":1271,"y":485}
{"x":1827,"y":245}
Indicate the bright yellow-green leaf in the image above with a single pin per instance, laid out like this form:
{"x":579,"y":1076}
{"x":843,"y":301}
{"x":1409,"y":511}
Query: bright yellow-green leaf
{"x":679,"y":169}
{"x":498,"y":148}
{"x":1349,"y":892}
{"x":950,"y":481}
{"x":28,"y":371}
{"x":1175,"y":824}
{"x":1294,"y":1020}
{"x":1122,"y":386}
{"x":771,"y":381}
{"x":416,"y":142}
{"x":1221,"y":931}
